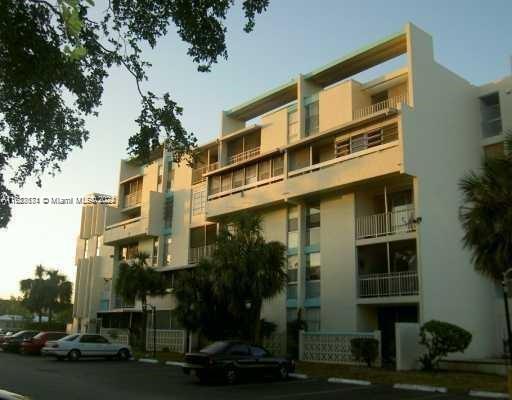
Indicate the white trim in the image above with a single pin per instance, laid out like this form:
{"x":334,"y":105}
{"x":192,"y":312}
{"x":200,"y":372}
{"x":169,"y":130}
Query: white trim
{"x":298,"y":376}
{"x":349,"y":381}
{"x":491,"y":395}
{"x":421,"y":388}
{"x":148,"y":360}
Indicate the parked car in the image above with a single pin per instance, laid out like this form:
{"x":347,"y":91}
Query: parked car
{"x":74,"y":347}
{"x":5,"y":395}
{"x":231,"y":360}
{"x":7,"y":333}
{"x":13,"y":343}
{"x":35,"y":344}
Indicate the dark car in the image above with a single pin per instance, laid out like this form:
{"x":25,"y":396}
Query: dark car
{"x":5,"y":395}
{"x":232,"y":360}
{"x":13,"y":343}
{"x":35,"y":344}
{"x":7,"y":333}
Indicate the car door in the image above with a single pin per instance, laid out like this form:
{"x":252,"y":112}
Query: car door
{"x":87,"y":345}
{"x":104,"y":347}
{"x":264,"y":360}
{"x":241,"y":355}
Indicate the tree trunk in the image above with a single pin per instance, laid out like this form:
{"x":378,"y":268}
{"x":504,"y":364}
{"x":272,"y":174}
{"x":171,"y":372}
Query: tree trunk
{"x":144,"y":322}
{"x":50,"y":317}
{"x":257,"y":322}
{"x":40,"y":316}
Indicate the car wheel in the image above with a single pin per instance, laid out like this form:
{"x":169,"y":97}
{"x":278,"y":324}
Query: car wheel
{"x":231,"y":375}
{"x":123,"y":354}
{"x":283,"y":372}
{"x":74,"y":355}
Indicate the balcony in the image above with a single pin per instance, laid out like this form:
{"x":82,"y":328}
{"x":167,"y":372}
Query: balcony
{"x":132,"y":199}
{"x":246,"y":155}
{"x":198,"y":173}
{"x":390,"y":284}
{"x":387,"y":104}
{"x":383,"y":224}
{"x":197,"y":253}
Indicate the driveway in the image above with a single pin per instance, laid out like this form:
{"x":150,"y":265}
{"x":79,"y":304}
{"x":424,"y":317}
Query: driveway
{"x":45,"y":379}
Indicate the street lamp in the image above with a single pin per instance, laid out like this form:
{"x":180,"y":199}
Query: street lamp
{"x":504,"y":284}
{"x":153,"y":311}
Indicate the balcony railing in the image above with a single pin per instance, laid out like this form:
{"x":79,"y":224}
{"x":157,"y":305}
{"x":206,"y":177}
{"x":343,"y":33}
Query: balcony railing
{"x":389,"y":284}
{"x":197,"y":253}
{"x":246,"y":155}
{"x":392,"y":102}
{"x":197,"y":173}
{"x":390,"y":223}
{"x":132,"y":199}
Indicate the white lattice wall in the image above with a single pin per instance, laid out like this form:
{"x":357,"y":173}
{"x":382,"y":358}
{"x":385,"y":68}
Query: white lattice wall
{"x":121,"y":336}
{"x":276,"y":344}
{"x":174,"y":340}
{"x":331,"y":347}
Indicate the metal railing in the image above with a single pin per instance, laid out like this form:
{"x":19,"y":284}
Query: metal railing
{"x":389,"y":284}
{"x":197,"y":173}
{"x":132,"y":199}
{"x":392,"y":102}
{"x":390,"y":223}
{"x":244,"y":155}
{"x":196,"y":253}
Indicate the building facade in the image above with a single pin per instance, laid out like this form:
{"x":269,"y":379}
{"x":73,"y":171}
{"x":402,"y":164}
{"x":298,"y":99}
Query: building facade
{"x":358,"y":177}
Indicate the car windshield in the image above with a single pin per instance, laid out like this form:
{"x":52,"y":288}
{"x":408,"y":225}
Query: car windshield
{"x":39,"y":335}
{"x":22,"y":333}
{"x":69,"y":338}
{"x":217,"y":347}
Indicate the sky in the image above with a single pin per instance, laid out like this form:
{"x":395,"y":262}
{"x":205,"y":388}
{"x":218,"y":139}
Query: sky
{"x":471,"y":37}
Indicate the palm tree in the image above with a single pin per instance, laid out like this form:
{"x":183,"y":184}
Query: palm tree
{"x":486,"y":215}
{"x":58,"y":292}
{"x":242,"y":273}
{"x":136,"y":281}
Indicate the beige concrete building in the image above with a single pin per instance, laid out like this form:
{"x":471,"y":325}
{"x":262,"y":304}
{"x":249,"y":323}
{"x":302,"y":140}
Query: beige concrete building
{"x":358,"y":177}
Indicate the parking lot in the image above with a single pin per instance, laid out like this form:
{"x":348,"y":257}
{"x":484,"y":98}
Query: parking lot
{"x":45,"y":379}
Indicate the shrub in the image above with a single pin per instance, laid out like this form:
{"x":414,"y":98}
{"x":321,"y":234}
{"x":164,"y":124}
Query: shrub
{"x":441,"y":338}
{"x":365,"y":350}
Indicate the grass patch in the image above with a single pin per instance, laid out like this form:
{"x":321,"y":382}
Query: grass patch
{"x":457,"y":381}
{"x":161,"y":356}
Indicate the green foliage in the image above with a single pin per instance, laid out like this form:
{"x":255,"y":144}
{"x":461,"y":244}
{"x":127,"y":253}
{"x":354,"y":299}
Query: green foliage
{"x":14,"y":306}
{"x":365,"y":350}
{"x":440,"y":339}
{"x":223,"y":296}
{"x":55,"y":56}
{"x":49,"y":292}
{"x":293,"y":329}
{"x":486,"y":214}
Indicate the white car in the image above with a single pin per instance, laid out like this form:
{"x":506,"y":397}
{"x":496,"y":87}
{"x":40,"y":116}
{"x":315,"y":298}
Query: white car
{"x":73,"y":347}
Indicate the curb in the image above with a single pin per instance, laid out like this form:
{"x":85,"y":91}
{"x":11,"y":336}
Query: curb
{"x":349,"y":381}
{"x":422,"y":388}
{"x":175,"y":363}
{"x":298,"y":376}
{"x":148,"y":360}
{"x":491,"y":395}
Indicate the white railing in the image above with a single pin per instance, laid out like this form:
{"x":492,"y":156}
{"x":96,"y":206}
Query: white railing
{"x":166,"y":339}
{"x":116,"y":335}
{"x":197,"y":173}
{"x":132,"y":199}
{"x":390,"y":223}
{"x":244,"y":155}
{"x":389,"y":284}
{"x":392,"y":102}
{"x":332,"y":347}
{"x":196,"y":253}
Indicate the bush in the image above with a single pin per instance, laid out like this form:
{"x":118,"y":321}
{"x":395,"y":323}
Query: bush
{"x":441,"y":338}
{"x":365,"y":350}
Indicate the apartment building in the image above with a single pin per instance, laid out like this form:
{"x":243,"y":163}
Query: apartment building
{"x":357,"y":176}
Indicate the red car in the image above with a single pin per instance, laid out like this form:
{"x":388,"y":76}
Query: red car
{"x":35,"y":344}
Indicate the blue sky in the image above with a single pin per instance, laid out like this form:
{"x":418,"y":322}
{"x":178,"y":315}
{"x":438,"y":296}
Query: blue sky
{"x":472,"y":38}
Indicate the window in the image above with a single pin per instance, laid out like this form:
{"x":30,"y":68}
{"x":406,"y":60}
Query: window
{"x":312,"y":318}
{"x":264,"y":170}
{"x":312,"y":112}
{"x":215,"y":184}
{"x":293,"y":124}
{"x":277,"y":166}
{"x":86,"y":248}
{"x":168,"y":211}
{"x":250,"y":174}
{"x":154,"y":258}
{"x":313,"y":225}
{"x":379,"y":97}
{"x":313,"y":262}
{"x":129,"y":251}
{"x":293,"y":227}
{"x":88,"y":339}
{"x":99,"y":243}
{"x":292,"y":270}
{"x":238,"y":178}
{"x":198,"y":201}
{"x":258,"y":351}
{"x":70,"y":338}
{"x":239,"y":349}
{"x":491,"y":115}
{"x":494,"y":150}
{"x":160,"y":179}
{"x":167,"y":249}
{"x":226,"y":182}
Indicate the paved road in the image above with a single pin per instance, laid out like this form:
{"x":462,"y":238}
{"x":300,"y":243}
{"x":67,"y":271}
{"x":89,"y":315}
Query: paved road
{"x":45,"y":379}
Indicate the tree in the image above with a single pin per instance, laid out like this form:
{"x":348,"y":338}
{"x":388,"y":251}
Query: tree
{"x":55,"y":56}
{"x":486,"y":214}
{"x":49,"y":292}
{"x":137,"y":281}
{"x":243,"y":272}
